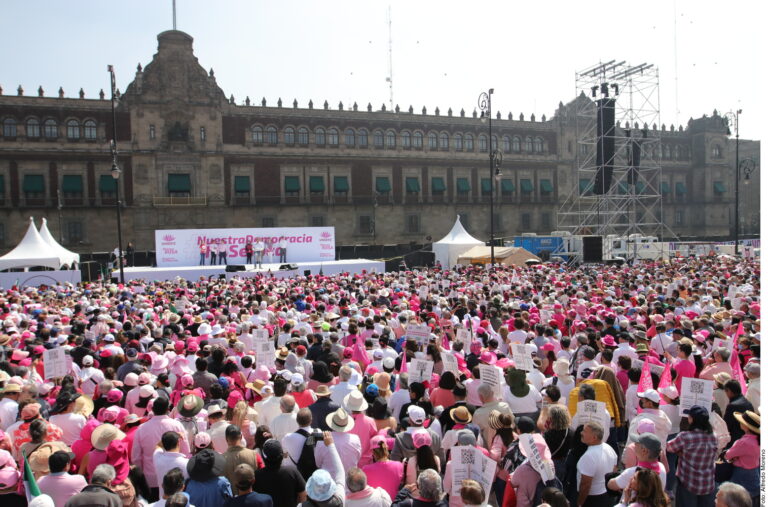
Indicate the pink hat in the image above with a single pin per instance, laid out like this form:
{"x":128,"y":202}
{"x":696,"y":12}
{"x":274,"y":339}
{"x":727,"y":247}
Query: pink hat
{"x":187,"y":380}
{"x":145,"y":378}
{"x":233,"y":398}
{"x":608,"y":341}
{"x":131,"y":380}
{"x":114,"y":395}
{"x":9,"y":473}
{"x":117,"y":456}
{"x":202,"y":440}
{"x":488,"y":357}
{"x":646,"y":426}
{"x":421,"y":438}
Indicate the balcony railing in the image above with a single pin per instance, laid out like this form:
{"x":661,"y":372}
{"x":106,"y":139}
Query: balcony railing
{"x":179,"y":201}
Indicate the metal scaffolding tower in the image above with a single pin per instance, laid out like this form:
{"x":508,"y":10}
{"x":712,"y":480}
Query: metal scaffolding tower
{"x":628,"y":201}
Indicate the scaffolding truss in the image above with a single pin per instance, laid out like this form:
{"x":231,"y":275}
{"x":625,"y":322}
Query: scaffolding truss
{"x":631,"y":202}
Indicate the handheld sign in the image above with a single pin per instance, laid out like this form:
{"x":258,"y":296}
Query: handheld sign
{"x":420,"y":370}
{"x":521,"y":357}
{"x":265,"y":353}
{"x":655,"y":368}
{"x":261,"y":335}
{"x":465,"y":337}
{"x":423,"y":292}
{"x":471,"y":463}
{"x":420,"y":333}
{"x":589,"y":410}
{"x":450,"y":363}
{"x":545,"y":468}
{"x":694,"y":391}
{"x":54,"y":363}
{"x":491,"y":375}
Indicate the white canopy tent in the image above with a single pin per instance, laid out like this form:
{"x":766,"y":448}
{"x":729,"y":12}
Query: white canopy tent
{"x":32,"y":251}
{"x":66,"y":256}
{"x":455,"y":243}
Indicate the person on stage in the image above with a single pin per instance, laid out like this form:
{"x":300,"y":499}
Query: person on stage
{"x":222,"y":253}
{"x":283,"y":248}
{"x":213,"y":248}
{"x":248,"y":253}
{"x":259,"y":249}
{"x":203,"y":253}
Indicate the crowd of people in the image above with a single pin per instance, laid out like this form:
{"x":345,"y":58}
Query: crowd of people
{"x":511,"y":386}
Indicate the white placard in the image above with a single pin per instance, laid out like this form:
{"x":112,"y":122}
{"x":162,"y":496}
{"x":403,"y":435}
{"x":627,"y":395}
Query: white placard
{"x":419,"y":332}
{"x":471,"y":463}
{"x":695,"y":391}
{"x":450,"y":363}
{"x":465,"y":337}
{"x":265,"y":354}
{"x":247,"y":340}
{"x":589,"y":410}
{"x":420,"y":370}
{"x":54,"y":363}
{"x":423,"y":292}
{"x":445,"y":283}
{"x":261,"y":335}
{"x":180,"y":247}
{"x":545,"y":468}
{"x":720,"y":342}
{"x":491,"y":375}
{"x":222,"y":342}
{"x":655,"y":368}
{"x":521,"y":357}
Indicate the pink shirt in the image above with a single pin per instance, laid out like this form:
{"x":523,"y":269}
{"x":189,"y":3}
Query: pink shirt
{"x":61,"y":487}
{"x":365,"y":429}
{"x":146,"y":439}
{"x":709,"y":372}
{"x":386,"y":475}
{"x":745,"y":452}
{"x":684,"y":368}
{"x":442,"y":397}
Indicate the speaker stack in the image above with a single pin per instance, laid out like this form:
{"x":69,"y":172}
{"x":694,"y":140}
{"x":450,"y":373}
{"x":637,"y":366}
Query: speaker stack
{"x":606,"y":143}
{"x":592,"y":249}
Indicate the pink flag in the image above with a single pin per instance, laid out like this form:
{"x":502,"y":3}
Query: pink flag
{"x":666,"y":379}
{"x":359,"y":354}
{"x":738,"y":373}
{"x":404,"y":364}
{"x":645,"y":382}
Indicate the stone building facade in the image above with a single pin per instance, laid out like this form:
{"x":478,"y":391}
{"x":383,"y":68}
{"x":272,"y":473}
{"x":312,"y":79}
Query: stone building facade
{"x":191,"y":157}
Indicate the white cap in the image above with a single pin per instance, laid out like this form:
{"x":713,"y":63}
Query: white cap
{"x":87,"y":360}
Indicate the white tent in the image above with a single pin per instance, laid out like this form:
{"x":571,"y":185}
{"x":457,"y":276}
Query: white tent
{"x":32,"y":251}
{"x":65,"y":256}
{"x":455,"y":243}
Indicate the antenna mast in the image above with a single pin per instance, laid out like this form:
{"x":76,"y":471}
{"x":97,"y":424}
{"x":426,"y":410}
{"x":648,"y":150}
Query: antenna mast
{"x":174,"y":14}
{"x":389,"y":79}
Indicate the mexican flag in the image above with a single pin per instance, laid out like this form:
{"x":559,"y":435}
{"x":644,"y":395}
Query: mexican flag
{"x":29,"y":484}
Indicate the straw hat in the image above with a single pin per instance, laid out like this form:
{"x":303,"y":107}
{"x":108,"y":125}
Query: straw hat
{"x":460,"y":415}
{"x":355,"y":401}
{"x":104,"y":434}
{"x":749,"y":419}
{"x":340,"y":421}
{"x":190,"y":405}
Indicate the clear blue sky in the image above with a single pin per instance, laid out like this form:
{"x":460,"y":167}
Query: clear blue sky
{"x":445,"y":52}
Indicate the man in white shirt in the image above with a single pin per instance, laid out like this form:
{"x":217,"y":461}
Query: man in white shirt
{"x":9,"y":406}
{"x":293,"y":443}
{"x":221,"y":248}
{"x":649,"y":402}
{"x":285,"y":423}
{"x":217,"y":428}
{"x":258,"y":248}
{"x":624,"y":349}
{"x":347,"y":444}
{"x":591,"y":469}
{"x":344,"y":387}
{"x":283,"y":245}
{"x":589,"y":365}
{"x":400,"y":397}
{"x":752,"y":373}
{"x":169,"y":456}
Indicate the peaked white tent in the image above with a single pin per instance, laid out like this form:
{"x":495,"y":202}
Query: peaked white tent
{"x":455,"y":243}
{"x":65,"y":256}
{"x":31,"y":251}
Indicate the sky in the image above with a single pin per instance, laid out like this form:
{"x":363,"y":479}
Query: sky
{"x":444,"y":53}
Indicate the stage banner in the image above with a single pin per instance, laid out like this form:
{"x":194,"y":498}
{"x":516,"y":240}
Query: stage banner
{"x":181,"y":247}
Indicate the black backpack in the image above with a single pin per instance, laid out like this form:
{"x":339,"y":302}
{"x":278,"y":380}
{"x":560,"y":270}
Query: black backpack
{"x":306,"y":464}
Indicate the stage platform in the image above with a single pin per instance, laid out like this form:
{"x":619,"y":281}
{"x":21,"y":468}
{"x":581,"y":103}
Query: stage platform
{"x":197,"y":272}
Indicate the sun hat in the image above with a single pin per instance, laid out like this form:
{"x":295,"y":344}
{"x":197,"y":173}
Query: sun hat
{"x":749,"y":419}
{"x":215,"y":409}
{"x":608,"y":341}
{"x":83,"y":406}
{"x":340,"y":421}
{"x":322,"y":390}
{"x":282,"y":353}
{"x":131,"y":380}
{"x":516,"y":381}
{"x":421,"y":438}
{"x":9,"y":473}
{"x":355,"y":401}
{"x":30,"y":411}
{"x":104,"y":434}
{"x":320,"y":486}
{"x":233,"y":398}
{"x":488,"y":357}
{"x":202,"y":440}
{"x":189,"y":405}
{"x":206,"y":465}
{"x":114,"y":395}
{"x":145,"y":378}
{"x":460,"y":415}
{"x":641,"y":347}
{"x":498,"y":420}
{"x":561,"y":368}
{"x":12,"y":388}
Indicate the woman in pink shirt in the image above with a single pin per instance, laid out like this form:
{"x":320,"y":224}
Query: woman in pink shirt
{"x":745,"y":453}
{"x":383,"y":473}
{"x":443,"y":395}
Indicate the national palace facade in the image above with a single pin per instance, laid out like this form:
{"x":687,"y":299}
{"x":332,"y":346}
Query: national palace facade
{"x":193,"y":157}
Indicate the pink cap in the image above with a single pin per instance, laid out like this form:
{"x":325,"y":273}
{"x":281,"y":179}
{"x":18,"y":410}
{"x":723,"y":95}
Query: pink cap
{"x":646,"y":426}
{"x":202,"y":440}
{"x":421,"y":438}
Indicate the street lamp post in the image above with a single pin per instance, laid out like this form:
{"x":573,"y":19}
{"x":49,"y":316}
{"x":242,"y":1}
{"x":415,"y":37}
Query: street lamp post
{"x":116,"y":175}
{"x":494,"y":159}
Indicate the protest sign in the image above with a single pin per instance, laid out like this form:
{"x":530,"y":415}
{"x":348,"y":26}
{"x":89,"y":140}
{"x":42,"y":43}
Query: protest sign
{"x":655,"y":368}
{"x":720,"y":342}
{"x":521,"y":357}
{"x":465,"y":337}
{"x":546,"y":469}
{"x":491,"y":375}
{"x":589,"y":410}
{"x":261,"y":335}
{"x":450,"y":363}
{"x":694,"y":391}
{"x":471,"y":463}
{"x":420,"y":370}
{"x":420,"y":333}
{"x":54,"y":363}
{"x":265,"y":353}
{"x":423,"y":292}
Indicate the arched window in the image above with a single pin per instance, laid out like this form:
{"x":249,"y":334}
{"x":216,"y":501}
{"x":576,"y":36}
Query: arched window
{"x":362,"y":138}
{"x":378,"y":138}
{"x":443,"y":141}
{"x":538,"y":145}
{"x":9,"y":127}
{"x":303,"y":136}
{"x":506,"y":143}
{"x":482,"y":142}
{"x":33,"y":128}
{"x":271,"y":135}
{"x":320,"y":136}
{"x":418,"y":140}
{"x":717,"y":152}
{"x":50,"y":129}
{"x":333,"y":137}
{"x":405,"y":139}
{"x":677,"y":152}
{"x":73,"y":129}
{"x":458,"y":142}
{"x":289,"y":136}
{"x":349,"y":138}
{"x":257,"y":134}
{"x":528,"y":144}
{"x":469,"y":142}
{"x":516,"y":144}
{"x":391,"y":139}
{"x":432,"y":140}
{"x":667,"y":154}
{"x":494,"y":143}
{"x":89,"y":129}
